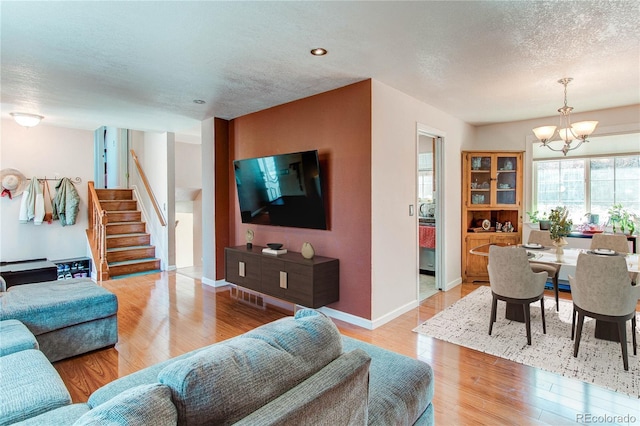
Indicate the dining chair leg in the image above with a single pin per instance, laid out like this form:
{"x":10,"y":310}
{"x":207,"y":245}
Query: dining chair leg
{"x":494,"y":307}
{"x":554,"y":280}
{"x":576,"y":345}
{"x":633,"y":330}
{"x":622,"y":333}
{"x":527,"y":322}
{"x":544,"y":324}
{"x":573,"y":323}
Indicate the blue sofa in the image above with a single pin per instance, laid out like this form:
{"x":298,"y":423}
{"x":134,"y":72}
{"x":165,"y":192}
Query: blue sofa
{"x":297,"y":370}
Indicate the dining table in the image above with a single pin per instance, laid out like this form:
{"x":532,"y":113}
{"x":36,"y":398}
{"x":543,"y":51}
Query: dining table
{"x":569,"y":257}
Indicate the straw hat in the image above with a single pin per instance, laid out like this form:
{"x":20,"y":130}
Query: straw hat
{"x":12,"y":181}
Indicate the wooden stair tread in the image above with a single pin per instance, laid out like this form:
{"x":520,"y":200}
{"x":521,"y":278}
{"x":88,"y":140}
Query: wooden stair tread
{"x":133,"y":234}
{"x":114,"y":249}
{"x":133,"y":262}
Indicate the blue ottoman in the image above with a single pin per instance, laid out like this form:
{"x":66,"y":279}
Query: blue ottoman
{"x":15,"y":337}
{"x":67,"y":317}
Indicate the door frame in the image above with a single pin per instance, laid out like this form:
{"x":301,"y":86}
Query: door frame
{"x":439,"y":136}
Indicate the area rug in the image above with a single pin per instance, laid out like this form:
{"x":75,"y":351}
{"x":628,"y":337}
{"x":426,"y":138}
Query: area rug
{"x":599,"y":362}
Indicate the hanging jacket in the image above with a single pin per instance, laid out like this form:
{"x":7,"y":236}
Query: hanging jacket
{"x":66,"y":203}
{"x":32,"y":203}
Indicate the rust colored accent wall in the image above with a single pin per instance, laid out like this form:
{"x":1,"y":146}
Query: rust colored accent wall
{"x":221,"y":142}
{"x":338,"y":125}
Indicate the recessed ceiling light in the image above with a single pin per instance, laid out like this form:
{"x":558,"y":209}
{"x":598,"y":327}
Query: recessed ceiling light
{"x":199,"y":101}
{"x":319,"y":51}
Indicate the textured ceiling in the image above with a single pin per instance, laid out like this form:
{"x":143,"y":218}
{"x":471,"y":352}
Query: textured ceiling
{"x":140,"y":64}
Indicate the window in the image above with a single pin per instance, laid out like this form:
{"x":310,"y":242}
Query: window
{"x":587,"y":185}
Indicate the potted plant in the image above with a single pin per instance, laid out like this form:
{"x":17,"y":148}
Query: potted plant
{"x":621,"y":217}
{"x":545,"y":223}
{"x":533,"y":219}
{"x":560,"y":228}
{"x":542,"y":220}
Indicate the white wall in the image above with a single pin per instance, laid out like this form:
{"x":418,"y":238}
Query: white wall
{"x":395,"y":117}
{"x":44,"y":151}
{"x":188,"y":165}
{"x":188,"y":183}
{"x":184,"y":235}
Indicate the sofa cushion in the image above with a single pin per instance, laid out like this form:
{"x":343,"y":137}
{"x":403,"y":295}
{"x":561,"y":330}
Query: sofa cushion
{"x":15,"y":337}
{"x":400,"y":388}
{"x":230,"y":380}
{"x":146,"y":376}
{"x":29,"y":386}
{"x":60,"y":416}
{"x":52,"y":305}
{"x":142,"y":405}
{"x":335,"y":395}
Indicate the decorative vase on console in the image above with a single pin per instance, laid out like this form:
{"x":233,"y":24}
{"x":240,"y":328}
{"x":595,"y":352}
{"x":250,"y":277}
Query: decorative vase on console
{"x":559,"y":229}
{"x":307,"y":251}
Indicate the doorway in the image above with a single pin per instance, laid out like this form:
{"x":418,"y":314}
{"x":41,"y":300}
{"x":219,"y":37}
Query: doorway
{"x":111,"y":156}
{"x":430,"y":216}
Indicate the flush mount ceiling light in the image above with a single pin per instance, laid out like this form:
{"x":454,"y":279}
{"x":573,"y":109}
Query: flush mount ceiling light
{"x":567,"y":131}
{"x":199,"y":101}
{"x":319,"y":51}
{"x":26,"y":120}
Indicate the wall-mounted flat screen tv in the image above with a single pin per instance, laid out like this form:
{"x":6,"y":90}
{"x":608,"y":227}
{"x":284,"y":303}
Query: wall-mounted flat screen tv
{"x":281,"y":190}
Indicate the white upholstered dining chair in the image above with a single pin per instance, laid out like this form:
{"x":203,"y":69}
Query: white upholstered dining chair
{"x":512,"y":281}
{"x":602,"y":290}
{"x":616,"y":242}
{"x":553,"y":271}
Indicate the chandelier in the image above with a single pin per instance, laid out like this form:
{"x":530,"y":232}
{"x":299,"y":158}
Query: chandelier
{"x":567,"y":132}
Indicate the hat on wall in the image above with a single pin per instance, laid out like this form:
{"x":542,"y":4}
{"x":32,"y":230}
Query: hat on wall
{"x":13,"y":182}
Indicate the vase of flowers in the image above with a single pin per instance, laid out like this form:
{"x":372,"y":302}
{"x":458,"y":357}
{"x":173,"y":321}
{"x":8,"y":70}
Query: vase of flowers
{"x":559,"y":229}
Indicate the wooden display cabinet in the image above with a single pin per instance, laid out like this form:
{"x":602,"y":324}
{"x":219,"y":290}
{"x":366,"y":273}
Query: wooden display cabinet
{"x":491,"y":195}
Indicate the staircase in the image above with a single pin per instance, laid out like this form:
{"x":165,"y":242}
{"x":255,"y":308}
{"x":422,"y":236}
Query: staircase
{"x":128,"y":246}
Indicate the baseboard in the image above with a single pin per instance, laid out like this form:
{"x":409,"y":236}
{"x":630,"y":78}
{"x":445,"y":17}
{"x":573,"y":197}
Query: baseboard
{"x":343,"y":316}
{"x":213,"y":283}
{"x":452,"y":284}
{"x":395,"y":313}
{"x":366,"y":323}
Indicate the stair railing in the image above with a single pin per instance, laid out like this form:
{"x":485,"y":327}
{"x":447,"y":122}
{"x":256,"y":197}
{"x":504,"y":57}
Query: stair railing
{"x":147,"y":187}
{"x":97,"y":234}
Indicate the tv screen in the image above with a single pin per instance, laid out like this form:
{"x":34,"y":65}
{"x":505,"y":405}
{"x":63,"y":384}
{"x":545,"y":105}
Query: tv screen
{"x":281,"y":190}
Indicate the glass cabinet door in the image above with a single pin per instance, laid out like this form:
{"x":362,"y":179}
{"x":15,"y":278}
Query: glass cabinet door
{"x":480,"y":180}
{"x":506,"y":179}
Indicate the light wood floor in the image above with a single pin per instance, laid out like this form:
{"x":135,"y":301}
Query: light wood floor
{"x":166,"y":314}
